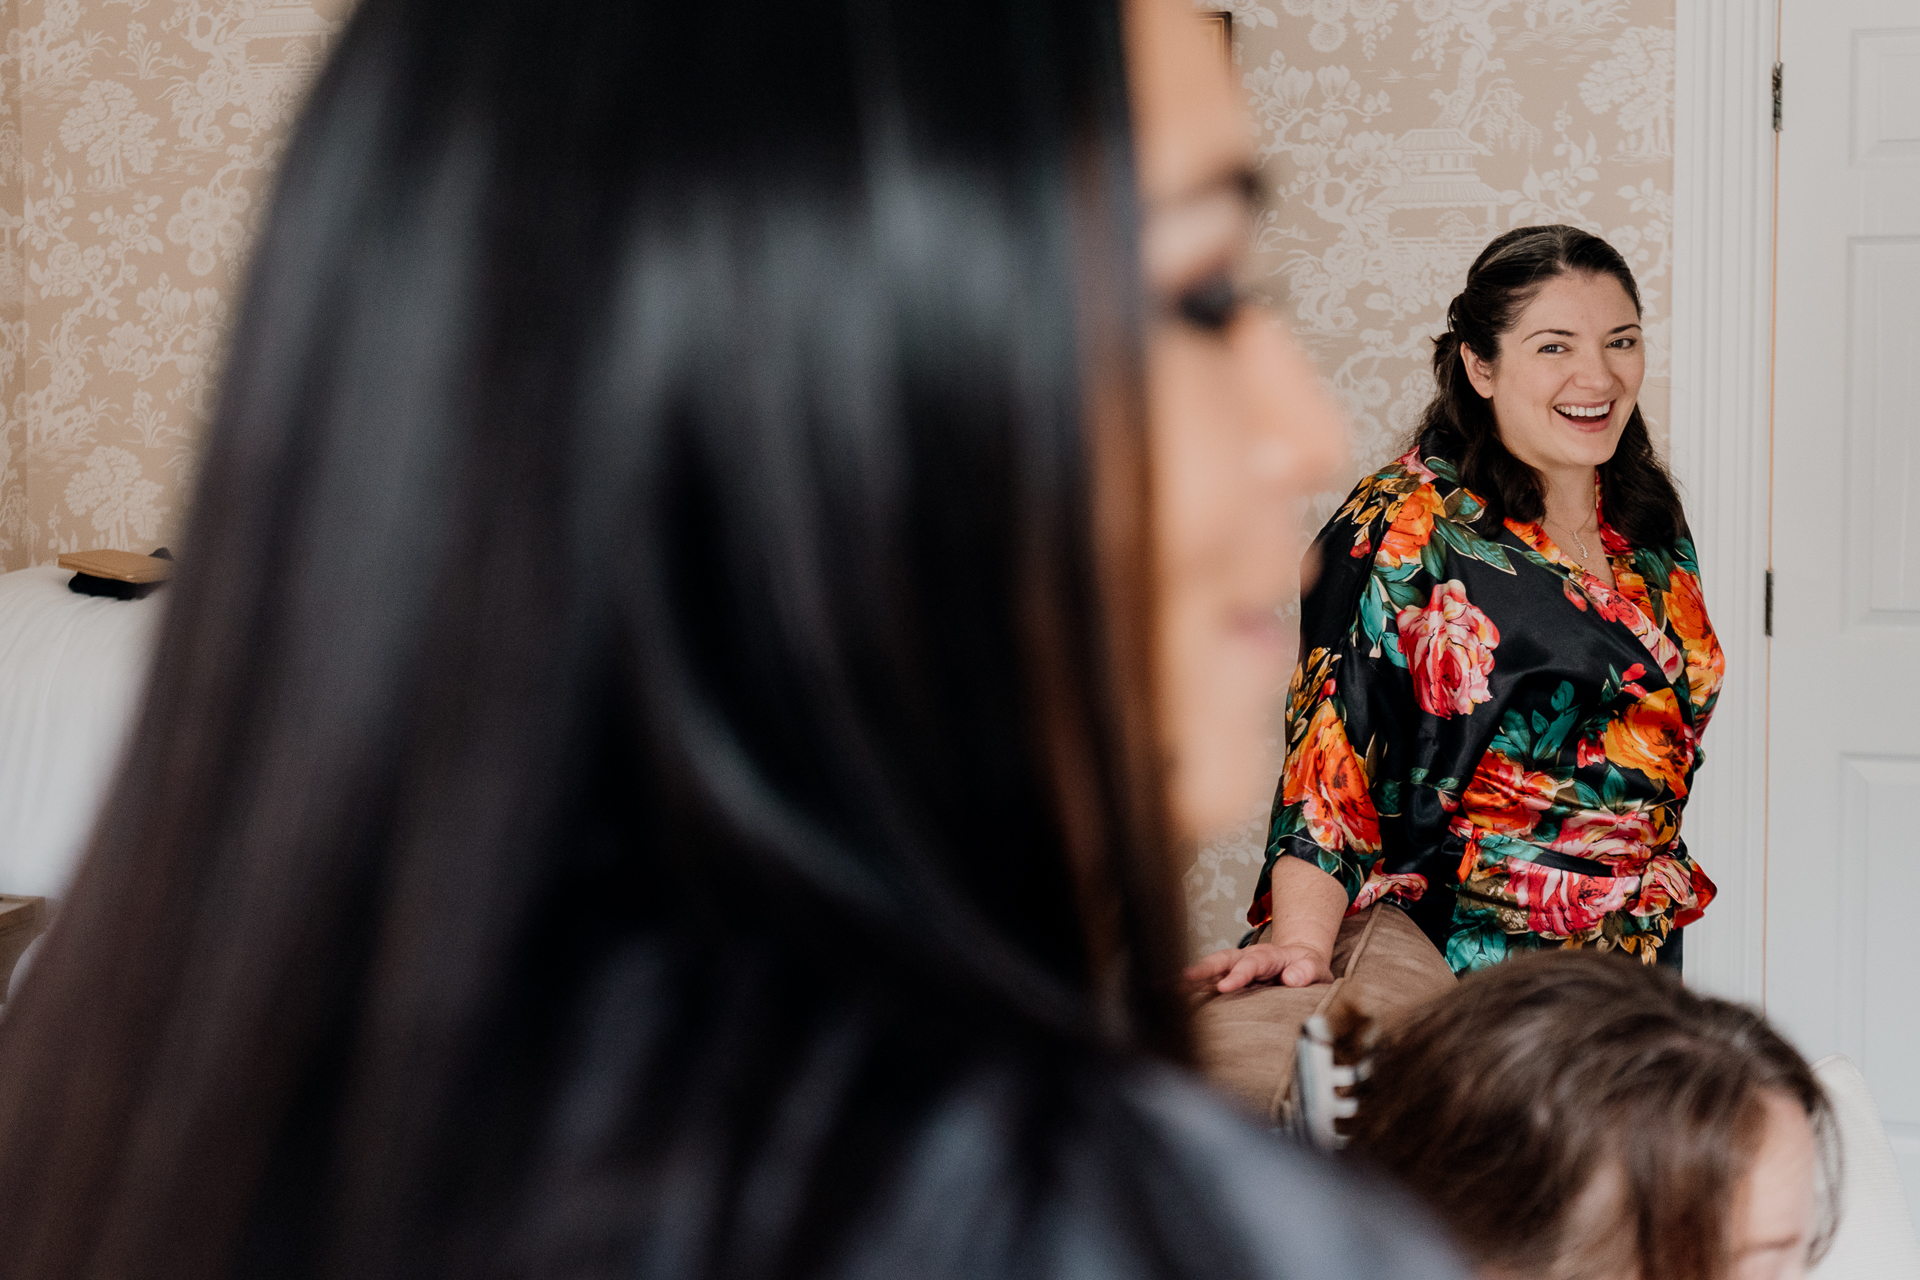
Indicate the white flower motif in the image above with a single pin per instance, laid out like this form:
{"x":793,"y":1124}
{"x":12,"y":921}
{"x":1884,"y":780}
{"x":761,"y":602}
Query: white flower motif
{"x":112,"y":130}
{"x":209,"y":219}
{"x":120,"y":499}
{"x":1638,"y":80}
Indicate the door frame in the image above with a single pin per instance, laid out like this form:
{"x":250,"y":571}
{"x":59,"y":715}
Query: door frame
{"x":1721,"y":434}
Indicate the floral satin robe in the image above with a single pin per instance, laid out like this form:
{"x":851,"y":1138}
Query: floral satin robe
{"x":1489,"y":736}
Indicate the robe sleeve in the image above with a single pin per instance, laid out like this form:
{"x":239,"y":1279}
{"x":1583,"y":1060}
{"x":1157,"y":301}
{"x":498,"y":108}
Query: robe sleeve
{"x":1359,"y":728}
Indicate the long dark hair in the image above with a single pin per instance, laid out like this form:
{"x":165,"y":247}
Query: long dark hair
{"x":1576,"y":1114}
{"x":1636,"y":492}
{"x":646,"y":725}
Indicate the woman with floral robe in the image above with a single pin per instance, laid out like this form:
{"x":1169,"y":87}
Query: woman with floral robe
{"x":1494,"y":726}
{"x":1482,"y":713}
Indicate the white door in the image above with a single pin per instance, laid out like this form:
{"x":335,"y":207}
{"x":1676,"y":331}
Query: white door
{"x":1843,"y":848}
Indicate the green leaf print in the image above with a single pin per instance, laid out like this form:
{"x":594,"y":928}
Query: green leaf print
{"x":1470,"y":544}
{"x":1685,"y":556}
{"x":1373,"y":614}
{"x":1462,"y":506}
{"x":1550,"y":739}
{"x":1399,"y":585}
{"x":1478,"y":947}
{"x":1513,"y":740}
{"x":1386,"y":799}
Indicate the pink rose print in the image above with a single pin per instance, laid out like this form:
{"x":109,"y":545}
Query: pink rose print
{"x":1405,"y":887}
{"x":1623,"y":839}
{"x":1560,"y":904}
{"x":1449,"y":648}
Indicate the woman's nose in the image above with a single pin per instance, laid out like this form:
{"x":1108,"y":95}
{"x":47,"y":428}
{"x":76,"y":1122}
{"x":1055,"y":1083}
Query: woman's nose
{"x":1592,"y":372}
{"x":1303,"y":433}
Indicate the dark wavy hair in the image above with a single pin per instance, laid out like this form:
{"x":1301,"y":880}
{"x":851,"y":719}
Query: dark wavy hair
{"x":1638,"y":494}
{"x":1578,"y":1114}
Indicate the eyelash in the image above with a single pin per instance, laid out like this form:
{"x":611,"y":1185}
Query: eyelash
{"x":1210,"y":305}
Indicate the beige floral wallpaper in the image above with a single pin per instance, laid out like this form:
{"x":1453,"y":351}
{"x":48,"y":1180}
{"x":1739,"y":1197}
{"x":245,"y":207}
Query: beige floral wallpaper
{"x":1399,"y":136}
{"x":137,"y":138}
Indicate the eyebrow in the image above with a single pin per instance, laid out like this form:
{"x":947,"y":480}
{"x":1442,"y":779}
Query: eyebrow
{"x":1568,"y":333}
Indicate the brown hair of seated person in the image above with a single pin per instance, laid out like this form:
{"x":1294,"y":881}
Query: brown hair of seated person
{"x":1573,"y":1114}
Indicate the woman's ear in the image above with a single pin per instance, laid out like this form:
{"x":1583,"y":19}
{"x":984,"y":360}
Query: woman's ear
{"x":1479,"y":372}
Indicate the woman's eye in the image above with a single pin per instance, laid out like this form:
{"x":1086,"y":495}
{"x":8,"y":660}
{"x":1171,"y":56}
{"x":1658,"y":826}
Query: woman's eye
{"x":1552,"y":349}
{"x":1211,"y":304}
{"x":1625,"y":344}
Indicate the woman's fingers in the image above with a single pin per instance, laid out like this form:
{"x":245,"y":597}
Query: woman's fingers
{"x":1210,"y":968}
{"x":1247,"y":970}
{"x":1262,"y":962}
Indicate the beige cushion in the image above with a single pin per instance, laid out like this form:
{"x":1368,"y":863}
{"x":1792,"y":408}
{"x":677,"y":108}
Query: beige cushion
{"x":1385,"y":968}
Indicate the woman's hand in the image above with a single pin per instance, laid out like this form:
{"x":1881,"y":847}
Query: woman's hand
{"x":1296,"y":965}
{"x":1308,"y":905}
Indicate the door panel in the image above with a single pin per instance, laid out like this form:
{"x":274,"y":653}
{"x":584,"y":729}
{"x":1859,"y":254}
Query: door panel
{"x":1843,"y":850}
{"x":1879,"y":887}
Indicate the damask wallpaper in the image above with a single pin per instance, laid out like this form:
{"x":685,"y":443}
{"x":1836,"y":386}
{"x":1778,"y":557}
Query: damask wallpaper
{"x":137,"y":138}
{"x":1398,"y":137}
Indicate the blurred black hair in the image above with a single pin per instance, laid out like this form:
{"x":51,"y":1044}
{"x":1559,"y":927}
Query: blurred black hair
{"x":647,"y":752}
{"x":1636,"y":492}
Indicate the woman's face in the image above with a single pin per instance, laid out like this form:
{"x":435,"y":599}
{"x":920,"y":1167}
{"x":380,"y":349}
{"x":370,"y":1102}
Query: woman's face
{"x":1773,"y":1212}
{"x":1241,"y":428}
{"x":1568,"y":375}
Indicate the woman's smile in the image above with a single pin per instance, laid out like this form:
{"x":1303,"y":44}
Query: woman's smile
{"x":1586,"y":417}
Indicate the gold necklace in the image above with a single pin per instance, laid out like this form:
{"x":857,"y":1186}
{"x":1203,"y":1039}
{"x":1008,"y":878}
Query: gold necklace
{"x":1585,"y":554}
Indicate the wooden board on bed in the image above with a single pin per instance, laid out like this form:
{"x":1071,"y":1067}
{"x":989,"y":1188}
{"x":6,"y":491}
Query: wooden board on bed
{"x":118,"y":566}
{"x":21,"y":921}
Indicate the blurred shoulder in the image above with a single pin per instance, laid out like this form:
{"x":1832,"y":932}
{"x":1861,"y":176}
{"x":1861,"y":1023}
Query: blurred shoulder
{"x":1294,"y":1211}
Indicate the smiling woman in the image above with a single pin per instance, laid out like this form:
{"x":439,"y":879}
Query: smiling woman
{"x":1505,"y":665}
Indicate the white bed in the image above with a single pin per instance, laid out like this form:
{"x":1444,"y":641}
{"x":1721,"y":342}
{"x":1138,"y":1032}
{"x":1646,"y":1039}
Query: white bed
{"x":71,"y":668}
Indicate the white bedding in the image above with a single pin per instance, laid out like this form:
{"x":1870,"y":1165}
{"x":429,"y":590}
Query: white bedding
{"x":71,"y":669}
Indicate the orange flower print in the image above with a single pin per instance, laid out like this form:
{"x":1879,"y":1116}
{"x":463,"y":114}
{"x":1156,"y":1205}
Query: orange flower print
{"x":1505,"y":798}
{"x":1650,"y":736}
{"x":1449,"y":649}
{"x":1561,"y":904}
{"x":1687,"y":611}
{"x":1329,"y":784}
{"x":1411,"y":528}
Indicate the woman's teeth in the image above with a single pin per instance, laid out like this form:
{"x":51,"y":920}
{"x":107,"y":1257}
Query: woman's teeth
{"x":1577,"y":411}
